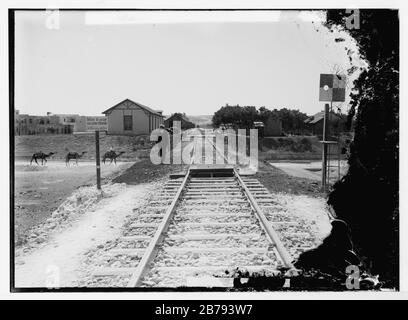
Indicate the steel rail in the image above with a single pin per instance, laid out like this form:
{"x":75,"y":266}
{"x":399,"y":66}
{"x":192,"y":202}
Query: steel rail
{"x":143,"y":266}
{"x":272,"y":234}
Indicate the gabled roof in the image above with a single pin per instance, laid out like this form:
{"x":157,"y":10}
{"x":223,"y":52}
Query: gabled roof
{"x":316,"y":118}
{"x":320,"y":116}
{"x":145,"y":108}
{"x":183,"y":117}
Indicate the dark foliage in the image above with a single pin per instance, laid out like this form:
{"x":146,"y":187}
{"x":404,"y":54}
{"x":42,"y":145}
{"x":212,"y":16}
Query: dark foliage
{"x":293,"y":121}
{"x":185,"y":123}
{"x":367,"y":197}
{"x":334,"y":254}
{"x":244,"y":116}
{"x":237,"y":116}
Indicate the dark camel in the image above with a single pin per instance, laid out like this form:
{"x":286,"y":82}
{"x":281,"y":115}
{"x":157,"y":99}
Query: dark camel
{"x":41,"y":155}
{"x":112,"y":155}
{"x":73,"y":156}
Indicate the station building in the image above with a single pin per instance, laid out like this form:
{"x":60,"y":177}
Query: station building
{"x":132,"y":118}
{"x":316,"y":123}
{"x":182,"y":118}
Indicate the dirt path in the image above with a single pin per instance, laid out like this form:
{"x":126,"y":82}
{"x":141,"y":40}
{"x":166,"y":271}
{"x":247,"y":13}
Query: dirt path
{"x":310,"y":170}
{"x":39,"y":190}
{"x":58,"y":263}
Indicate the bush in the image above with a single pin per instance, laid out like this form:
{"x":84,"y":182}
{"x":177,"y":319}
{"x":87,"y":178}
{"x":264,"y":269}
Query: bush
{"x":367,"y":197}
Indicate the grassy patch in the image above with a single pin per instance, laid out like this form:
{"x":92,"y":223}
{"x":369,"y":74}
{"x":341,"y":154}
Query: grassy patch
{"x":290,"y":148}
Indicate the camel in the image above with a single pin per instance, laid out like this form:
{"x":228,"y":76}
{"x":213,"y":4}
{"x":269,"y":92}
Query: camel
{"x":112,"y":155}
{"x":74,"y":156}
{"x":41,"y":155}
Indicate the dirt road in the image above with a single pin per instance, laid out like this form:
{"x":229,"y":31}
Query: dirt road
{"x":39,"y":190}
{"x":58,"y":263}
{"x":311,"y":170}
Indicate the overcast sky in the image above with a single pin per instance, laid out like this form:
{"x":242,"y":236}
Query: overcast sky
{"x":95,"y":60}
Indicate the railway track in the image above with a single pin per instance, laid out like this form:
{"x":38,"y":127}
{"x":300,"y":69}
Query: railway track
{"x":201,"y":230}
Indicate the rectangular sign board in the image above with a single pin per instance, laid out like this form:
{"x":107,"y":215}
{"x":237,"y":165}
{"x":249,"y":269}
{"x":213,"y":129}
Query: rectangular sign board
{"x":332,"y":87}
{"x":97,"y":123}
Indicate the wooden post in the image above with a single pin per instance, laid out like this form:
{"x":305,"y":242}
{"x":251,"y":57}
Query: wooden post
{"x":98,"y":161}
{"x":325,"y":135}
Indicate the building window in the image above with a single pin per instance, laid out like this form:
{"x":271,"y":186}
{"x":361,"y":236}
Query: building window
{"x":127,"y":123}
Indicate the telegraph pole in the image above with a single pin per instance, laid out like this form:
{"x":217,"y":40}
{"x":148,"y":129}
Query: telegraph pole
{"x":98,"y":161}
{"x":325,"y":145}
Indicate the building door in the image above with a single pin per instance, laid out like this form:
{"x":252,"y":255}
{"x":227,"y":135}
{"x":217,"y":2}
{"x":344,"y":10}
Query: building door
{"x":128,"y":123}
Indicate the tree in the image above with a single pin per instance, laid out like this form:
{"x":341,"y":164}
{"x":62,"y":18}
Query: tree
{"x":185,"y":122}
{"x":293,"y":121}
{"x":367,"y":197}
{"x":237,"y":116}
{"x":244,"y":117}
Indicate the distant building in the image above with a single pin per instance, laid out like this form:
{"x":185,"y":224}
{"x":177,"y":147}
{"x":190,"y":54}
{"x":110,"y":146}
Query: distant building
{"x":66,"y":119}
{"x":273,"y":127}
{"x":132,"y":118}
{"x":80,"y":124}
{"x":25,"y":124}
{"x":260,"y":126}
{"x":316,"y":122}
{"x":185,"y":122}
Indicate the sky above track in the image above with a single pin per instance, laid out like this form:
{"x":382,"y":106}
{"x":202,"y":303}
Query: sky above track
{"x":192,"y":62}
